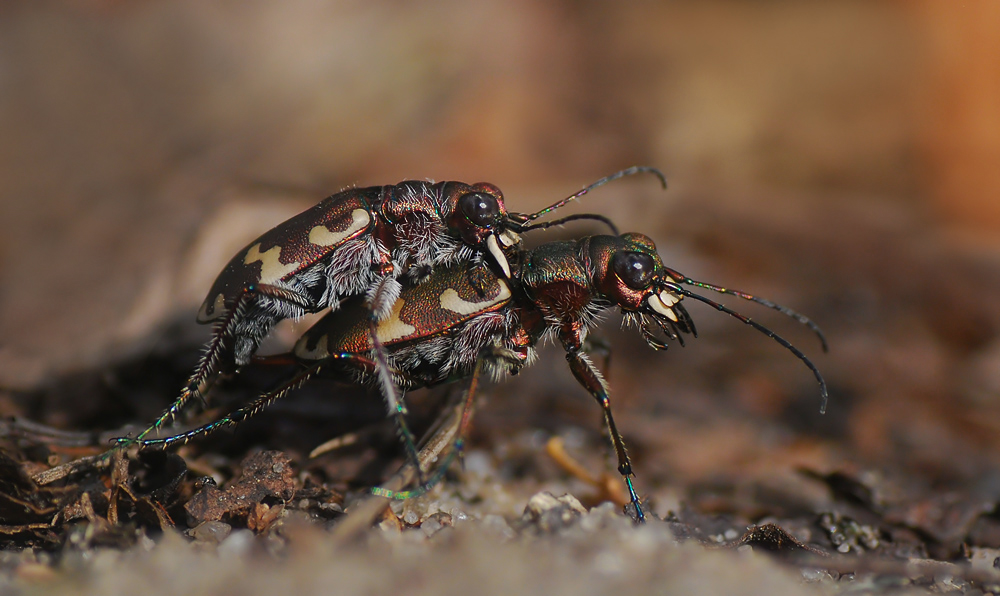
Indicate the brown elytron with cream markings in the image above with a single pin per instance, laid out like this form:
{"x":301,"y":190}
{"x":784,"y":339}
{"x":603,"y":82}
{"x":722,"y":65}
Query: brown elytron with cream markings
{"x":435,"y":316}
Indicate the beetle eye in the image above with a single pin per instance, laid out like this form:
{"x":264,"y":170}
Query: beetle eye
{"x":634,"y":268}
{"x":480,"y":208}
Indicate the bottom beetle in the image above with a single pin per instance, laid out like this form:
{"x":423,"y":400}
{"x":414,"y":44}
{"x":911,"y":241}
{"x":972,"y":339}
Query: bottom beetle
{"x":441,"y":329}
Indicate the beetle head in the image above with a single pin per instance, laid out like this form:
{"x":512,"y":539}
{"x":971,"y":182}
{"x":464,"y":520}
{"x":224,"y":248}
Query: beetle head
{"x":627,"y":271}
{"x":478,"y":215}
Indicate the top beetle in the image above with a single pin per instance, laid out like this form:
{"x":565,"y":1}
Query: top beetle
{"x":353,"y":242}
{"x":358,"y":241}
{"x":349,"y":244}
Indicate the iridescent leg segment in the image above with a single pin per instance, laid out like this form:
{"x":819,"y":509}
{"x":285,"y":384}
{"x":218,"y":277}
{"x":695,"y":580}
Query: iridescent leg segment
{"x":234,"y":417}
{"x":456,"y":451}
{"x":207,"y":370}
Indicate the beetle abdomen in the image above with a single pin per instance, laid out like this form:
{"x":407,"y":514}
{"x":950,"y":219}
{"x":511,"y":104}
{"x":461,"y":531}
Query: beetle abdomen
{"x":285,"y":251}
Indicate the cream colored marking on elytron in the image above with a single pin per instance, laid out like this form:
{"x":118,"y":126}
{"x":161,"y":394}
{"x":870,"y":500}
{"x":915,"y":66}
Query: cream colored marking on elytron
{"x":450,"y":300}
{"x":318,"y":353}
{"x":394,"y":328}
{"x":322,"y":236}
{"x":656,"y":304}
{"x":271,"y":269}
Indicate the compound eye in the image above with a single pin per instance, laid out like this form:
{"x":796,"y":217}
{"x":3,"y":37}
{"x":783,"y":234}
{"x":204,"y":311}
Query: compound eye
{"x":481,"y":209}
{"x":634,"y":268}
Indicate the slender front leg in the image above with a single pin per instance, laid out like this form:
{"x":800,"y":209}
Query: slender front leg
{"x":588,"y":376}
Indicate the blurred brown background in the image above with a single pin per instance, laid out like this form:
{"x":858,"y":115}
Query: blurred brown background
{"x":837,"y":157}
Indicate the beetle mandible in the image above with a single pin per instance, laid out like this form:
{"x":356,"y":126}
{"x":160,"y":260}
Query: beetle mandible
{"x":440,"y":330}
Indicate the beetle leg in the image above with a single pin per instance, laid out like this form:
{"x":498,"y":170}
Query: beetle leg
{"x":393,"y":400}
{"x":206,"y":372}
{"x":588,"y":376}
{"x":280,"y":294}
{"x":382,"y":296}
{"x":350,"y":361}
{"x":598,"y":345}
{"x":457,"y":447}
{"x":233,"y":418}
{"x":380,"y":300}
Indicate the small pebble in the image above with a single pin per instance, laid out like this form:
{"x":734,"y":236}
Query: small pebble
{"x":433,"y":524}
{"x":816,"y":575}
{"x":211,"y":531}
{"x":330,"y":508}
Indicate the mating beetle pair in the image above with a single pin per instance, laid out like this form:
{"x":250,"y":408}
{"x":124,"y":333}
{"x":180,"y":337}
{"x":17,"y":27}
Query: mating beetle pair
{"x":358,"y":241}
{"x":355,"y":242}
{"x":443,"y":323}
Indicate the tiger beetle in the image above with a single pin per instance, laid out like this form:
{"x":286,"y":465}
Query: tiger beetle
{"x":357,"y":243}
{"x":465,"y":318}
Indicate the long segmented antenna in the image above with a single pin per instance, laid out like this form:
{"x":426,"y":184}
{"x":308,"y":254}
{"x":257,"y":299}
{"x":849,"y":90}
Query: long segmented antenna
{"x":523,"y":218}
{"x":801,"y":318}
{"x":558,"y":222}
{"x":784,"y":343}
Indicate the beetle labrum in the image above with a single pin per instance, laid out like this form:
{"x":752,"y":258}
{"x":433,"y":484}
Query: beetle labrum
{"x":358,"y":242}
{"x":446,"y":327}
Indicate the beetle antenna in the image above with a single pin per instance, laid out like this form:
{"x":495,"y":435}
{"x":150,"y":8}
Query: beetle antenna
{"x":523,"y":218}
{"x":558,"y":222}
{"x":825,"y":396}
{"x":801,"y":318}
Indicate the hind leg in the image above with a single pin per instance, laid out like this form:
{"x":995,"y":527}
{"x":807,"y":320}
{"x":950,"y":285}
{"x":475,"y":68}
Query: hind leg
{"x":219,"y":352}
